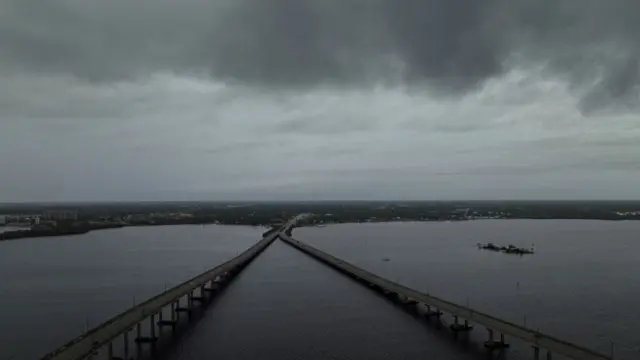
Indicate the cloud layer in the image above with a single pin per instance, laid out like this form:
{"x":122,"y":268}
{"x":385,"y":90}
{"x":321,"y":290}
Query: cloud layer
{"x":319,"y":99}
{"x":178,"y":138}
{"x":451,"y":46}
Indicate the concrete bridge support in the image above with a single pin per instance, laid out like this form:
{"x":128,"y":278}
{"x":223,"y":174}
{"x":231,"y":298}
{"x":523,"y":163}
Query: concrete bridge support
{"x":138,"y":336}
{"x":492,"y":344}
{"x":456,"y":327}
{"x":152,"y":332}
{"x":536,"y":353}
{"x":432,"y":313}
{"x":126,"y":345}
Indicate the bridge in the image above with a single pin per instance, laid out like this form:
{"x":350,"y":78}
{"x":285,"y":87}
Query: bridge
{"x":212,"y":281}
{"x":206,"y":286}
{"x":435,"y":307}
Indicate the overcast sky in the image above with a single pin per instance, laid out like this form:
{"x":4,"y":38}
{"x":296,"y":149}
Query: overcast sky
{"x":319,"y":99}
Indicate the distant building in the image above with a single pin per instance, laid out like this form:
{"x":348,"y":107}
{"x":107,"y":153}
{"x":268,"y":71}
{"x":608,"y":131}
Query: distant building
{"x":60,"y":215}
{"x":3,"y":219}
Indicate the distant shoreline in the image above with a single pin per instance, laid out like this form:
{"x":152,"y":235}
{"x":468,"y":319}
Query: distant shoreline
{"x":321,"y":225}
{"x":84,"y":229}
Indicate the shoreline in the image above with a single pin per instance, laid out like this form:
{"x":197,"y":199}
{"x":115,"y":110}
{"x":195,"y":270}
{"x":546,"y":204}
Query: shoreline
{"x":85,"y":229}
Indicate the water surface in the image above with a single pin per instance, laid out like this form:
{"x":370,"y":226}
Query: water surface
{"x":52,"y":289}
{"x":582,"y":284}
{"x":288,"y":306}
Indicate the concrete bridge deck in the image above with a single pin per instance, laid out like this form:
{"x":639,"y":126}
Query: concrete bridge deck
{"x":536,"y":339}
{"x":88,"y":343}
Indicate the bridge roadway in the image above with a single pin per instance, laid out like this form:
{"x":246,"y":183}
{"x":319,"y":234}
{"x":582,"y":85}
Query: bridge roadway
{"x":86,"y":344}
{"x":492,"y":323}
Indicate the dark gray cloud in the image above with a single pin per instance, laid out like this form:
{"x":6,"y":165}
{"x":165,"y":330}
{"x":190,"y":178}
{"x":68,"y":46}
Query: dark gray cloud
{"x":451,"y":46}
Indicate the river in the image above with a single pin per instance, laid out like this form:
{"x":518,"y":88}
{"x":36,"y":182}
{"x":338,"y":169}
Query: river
{"x":51,"y":289}
{"x":581,"y":285}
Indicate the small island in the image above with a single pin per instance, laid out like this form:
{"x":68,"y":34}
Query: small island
{"x":509,"y":249}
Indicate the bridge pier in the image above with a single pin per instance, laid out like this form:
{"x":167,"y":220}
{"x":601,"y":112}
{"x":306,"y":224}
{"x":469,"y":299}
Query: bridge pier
{"x":174,"y":306}
{"x":410,"y":305}
{"x":171,"y":323}
{"x":152,"y":330}
{"x":211,"y":289}
{"x":432,"y":313}
{"x":495,"y":345}
{"x":160,"y":320}
{"x":411,"y":302}
{"x":457,"y":327}
{"x":186,"y":309}
{"x":126,"y":344}
{"x":110,"y":350}
{"x":199,"y":299}
{"x":138,"y":336}
{"x":536,"y":353}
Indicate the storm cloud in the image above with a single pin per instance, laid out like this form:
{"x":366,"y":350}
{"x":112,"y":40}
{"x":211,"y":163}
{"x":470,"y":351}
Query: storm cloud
{"x":319,"y":99}
{"x":452,"y":46}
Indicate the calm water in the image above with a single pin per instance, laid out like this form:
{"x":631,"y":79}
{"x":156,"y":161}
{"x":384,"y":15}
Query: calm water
{"x":51,"y":288}
{"x":582,"y":284}
{"x":287,"y":306}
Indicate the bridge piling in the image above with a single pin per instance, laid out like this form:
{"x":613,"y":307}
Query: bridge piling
{"x":211,"y":289}
{"x":492,"y":344}
{"x":160,"y":320}
{"x":126,"y":344}
{"x":536,"y":353}
{"x":457,"y":327}
{"x":138,"y":343}
{"x":432,"y":313}
{"x":152,"y":329}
